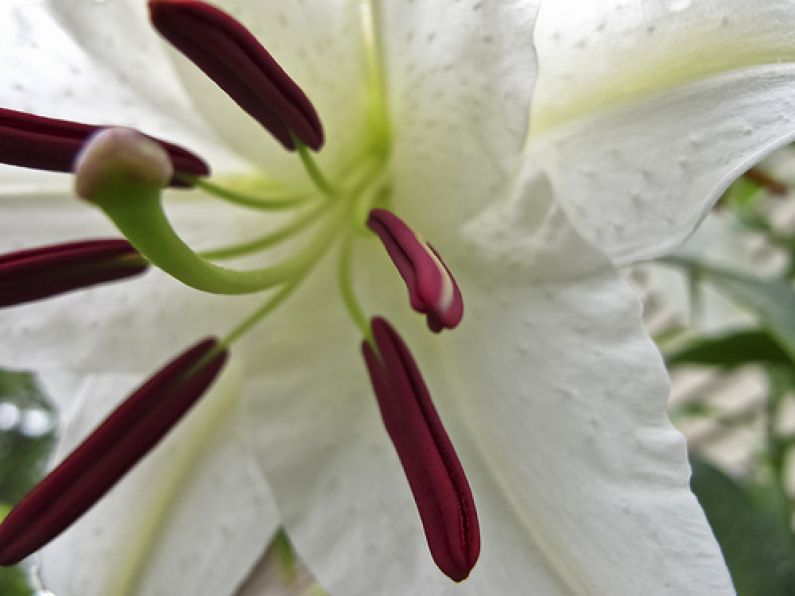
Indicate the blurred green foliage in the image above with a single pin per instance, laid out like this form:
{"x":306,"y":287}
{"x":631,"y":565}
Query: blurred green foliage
{"x":754,"y":535}
{"x":27,"y":437}
{"x":730,"y":350}
{"x":751,"y":513}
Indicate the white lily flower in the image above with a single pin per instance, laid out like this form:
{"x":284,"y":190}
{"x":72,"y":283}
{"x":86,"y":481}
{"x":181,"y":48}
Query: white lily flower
{"x":550,"y":389}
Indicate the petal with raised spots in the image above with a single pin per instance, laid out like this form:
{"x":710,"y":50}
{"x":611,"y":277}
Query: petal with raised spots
{"x":639,"y":139}
{"x":196,"y":515}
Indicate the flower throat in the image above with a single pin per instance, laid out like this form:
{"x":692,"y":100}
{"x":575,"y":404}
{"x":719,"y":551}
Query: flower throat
{"x":123,"y":173}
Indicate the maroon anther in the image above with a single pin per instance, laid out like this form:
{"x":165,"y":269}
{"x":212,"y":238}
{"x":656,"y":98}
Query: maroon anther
{"x":109,"y":452}
{"x":432,"y":288}
{"x":435,"y":474}
{"x":231,"y":56}
{"x":38,"y":273}
{"x":43,"y":143}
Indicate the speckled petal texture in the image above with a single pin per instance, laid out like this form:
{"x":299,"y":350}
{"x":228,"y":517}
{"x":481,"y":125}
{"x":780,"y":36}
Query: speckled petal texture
{"x":460,"y":76}
{"x":193,"y":517}
{"x":640,"y":138}
{"x":555,"y":399}
{"x":550,"y":389}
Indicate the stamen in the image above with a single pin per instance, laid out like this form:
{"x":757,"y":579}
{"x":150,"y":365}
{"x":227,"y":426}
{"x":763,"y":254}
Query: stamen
{"x":313,"y":170}
{"x":42,"y":143}
{"x":39,"y":273}
{"x":434,"y":472}
{"x":432,"y":288}
{"x":232,"y":57}
{"x":270,"y":239}
{"x":272,"y":203}
{"x":112,"y":450}
{"x":344,"y":270}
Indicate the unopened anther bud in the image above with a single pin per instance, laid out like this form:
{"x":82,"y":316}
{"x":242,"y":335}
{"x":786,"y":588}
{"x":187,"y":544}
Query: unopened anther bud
{"x":31,"y":141}
{"x":432,"y":288}
{"x":112,"y":450}
{"x":37,"y":273}
{"x":232,"y":57}
{"x":437,"y":479}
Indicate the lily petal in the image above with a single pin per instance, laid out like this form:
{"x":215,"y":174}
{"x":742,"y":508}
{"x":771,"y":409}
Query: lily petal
{"x":459,"y":79}
{"x":304,"y":38}
{"x":197,"y":502}
{"x":639,"y":138}
{"x":90,"y":331}
{"x":52,"y":71}
{"x":555,"y":398}
{"x":608,"y":472}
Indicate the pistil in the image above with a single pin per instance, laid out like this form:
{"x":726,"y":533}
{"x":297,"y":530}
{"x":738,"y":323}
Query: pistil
{"x":123,"y":174}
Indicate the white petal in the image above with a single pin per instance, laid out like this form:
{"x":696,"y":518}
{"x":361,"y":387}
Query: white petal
{"x":104,"y":68}
{"x":553,"y":394}
{"x":319,"y":45}
{"x":570,"y":417}
{"x":342,"y":494}
{"x":639,"y":137}
{"x":193,"y":517}
{"x":128,"y":326}
{"x":459,"y":78}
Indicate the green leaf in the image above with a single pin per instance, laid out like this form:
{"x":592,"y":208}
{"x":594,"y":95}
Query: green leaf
{"x":28,"y":436}
{"x":756,"y":542}
{"x":731,"y":350}
{"x":771,"y":300}
{"x":742,"y":193}
{"x":14,"y":582}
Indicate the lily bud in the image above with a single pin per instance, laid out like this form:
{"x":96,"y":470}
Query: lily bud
{"x":38,"y":273}
{"x":231,"y":56}
{"x":434,"y":472}
{"x":50,"y":144}
{"x":112,"y":450}
{"x":432,"y":288}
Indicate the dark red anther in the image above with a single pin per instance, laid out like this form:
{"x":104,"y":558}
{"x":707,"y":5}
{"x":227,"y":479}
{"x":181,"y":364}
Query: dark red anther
{"x":434,"y":472}
{"x":109,"y":452}
{"x":38,"y":273}
{"x":231,"y":56}
{"x":432,"y":288}
{"x":42,"y":143}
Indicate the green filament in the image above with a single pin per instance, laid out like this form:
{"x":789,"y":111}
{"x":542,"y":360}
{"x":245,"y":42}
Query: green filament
{"x":270,"y":239}
{"x":313,"y":170}
{"x":288,"y":201}
{"x":344,"y":271}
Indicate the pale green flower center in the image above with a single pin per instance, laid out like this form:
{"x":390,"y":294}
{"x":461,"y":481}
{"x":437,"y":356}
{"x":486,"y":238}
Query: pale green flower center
{"x":327,"y":208}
